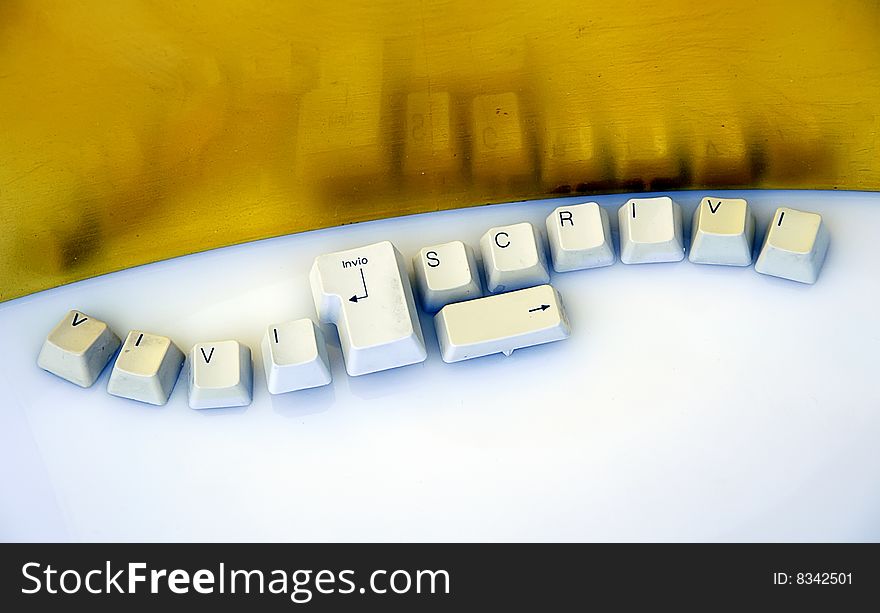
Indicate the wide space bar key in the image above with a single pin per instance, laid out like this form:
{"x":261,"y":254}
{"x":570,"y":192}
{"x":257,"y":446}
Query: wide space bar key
{"x":501,"y":323}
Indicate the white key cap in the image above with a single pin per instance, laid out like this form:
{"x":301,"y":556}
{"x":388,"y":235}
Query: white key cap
{"x":580,"y":237}
{"x":146,"y":368}
{"x":794,"y":246}
{"x":295,"y":357}
{"x":220,"y":375}
{"x":446,"y":273}
{"x":650,"y":231}
{"x":500,"y":324}
{"x":513,"y":258}
{"x":78,"y":348}
{"x":366,"y":293}
{"x":723,"y":231}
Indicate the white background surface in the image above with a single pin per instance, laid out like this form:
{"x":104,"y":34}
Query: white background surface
{"x":692,"y":402}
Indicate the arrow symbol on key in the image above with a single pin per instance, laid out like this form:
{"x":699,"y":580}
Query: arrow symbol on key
{"x":543,"y":307}
{"x":355,"y":298}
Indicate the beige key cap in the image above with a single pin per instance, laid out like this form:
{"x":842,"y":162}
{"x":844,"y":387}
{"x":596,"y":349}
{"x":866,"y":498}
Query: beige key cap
{"x":513,"y":258}
{"x":650,"y":231}
{"x":580,"y":237}
{"x":78,"y":348}
{"x":146,"y":369}
{"x":446,"y":273}
{"x":220,"y":374}
{"x":366,"y":293}
{"x":501,"y":324}
{"x":295,"y":356}
{"x":795,"y":246}
{"x":722,"y":232}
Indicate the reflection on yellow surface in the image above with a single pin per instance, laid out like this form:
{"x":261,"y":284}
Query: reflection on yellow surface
{"x":429,"y":143}
{"x":499,"y":152}
{"x":139,"y":130}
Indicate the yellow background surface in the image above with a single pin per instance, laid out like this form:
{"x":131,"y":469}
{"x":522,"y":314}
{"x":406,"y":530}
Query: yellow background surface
{"x":139,"y":130}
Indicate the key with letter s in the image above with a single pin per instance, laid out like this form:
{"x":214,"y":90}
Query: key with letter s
{"x":366,"y":294}
{"x":795,"y":246}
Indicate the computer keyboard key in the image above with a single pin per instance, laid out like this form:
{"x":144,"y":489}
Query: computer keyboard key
{"x":795,"y":246}
{"x":501,"y":324}
{"x":579,"y":237}
{"x":513,"y":258}
{"x":650,"y":231}
{"x":295,"y":357}
{"x":220,"y":374}
{"x":78,"y":348}
{"x":146,"y":368}
{"x":366,"y":294}
{"x":446,"y":273}
{"x":722,"y":232}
